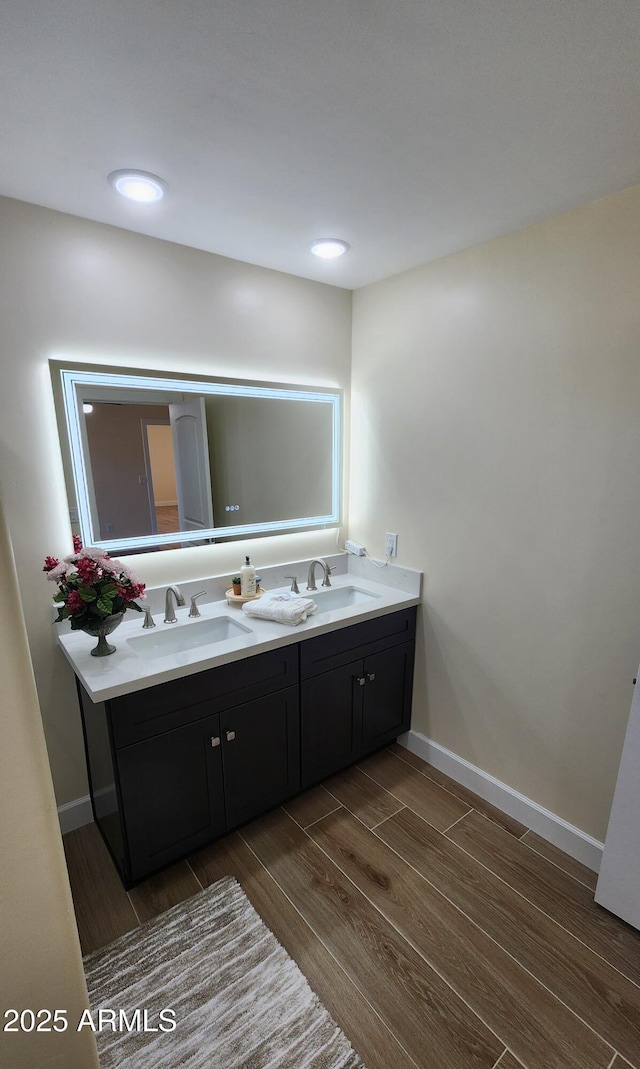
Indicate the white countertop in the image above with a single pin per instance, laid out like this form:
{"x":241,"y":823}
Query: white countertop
{"x":124,"y":671}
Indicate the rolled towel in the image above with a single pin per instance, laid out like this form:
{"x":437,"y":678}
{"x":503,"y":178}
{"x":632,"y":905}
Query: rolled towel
{"x":281,"y":608}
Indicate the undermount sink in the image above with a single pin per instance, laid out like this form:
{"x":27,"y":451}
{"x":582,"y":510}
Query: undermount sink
{"x":339,"y":597}
{"x":179,"y":638}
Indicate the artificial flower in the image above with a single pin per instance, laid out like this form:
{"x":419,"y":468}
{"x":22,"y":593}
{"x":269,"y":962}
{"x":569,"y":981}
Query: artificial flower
{"x":92,"y":586}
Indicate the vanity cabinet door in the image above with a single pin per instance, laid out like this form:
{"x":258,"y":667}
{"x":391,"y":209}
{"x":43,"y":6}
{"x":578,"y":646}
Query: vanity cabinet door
{"x":260,"y":754}
{"x":387,"y":696}
{"x":331,"y":722}
{"x":172,"y":794}
{"x":354,"y":710}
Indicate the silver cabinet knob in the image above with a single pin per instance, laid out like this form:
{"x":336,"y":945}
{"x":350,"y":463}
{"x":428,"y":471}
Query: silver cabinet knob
{"x":231,"y":736}
{"x":371,"y":676}
{"x":361,"y":680}
{"x":215,"y":740}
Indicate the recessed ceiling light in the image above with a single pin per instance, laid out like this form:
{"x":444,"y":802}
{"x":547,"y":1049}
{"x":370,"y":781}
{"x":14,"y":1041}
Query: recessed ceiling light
{"x":138,"y":185}
{"x":329,"y":248}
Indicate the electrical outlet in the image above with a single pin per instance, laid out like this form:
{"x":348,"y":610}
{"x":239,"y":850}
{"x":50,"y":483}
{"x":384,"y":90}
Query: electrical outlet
{"x":391,"y":545}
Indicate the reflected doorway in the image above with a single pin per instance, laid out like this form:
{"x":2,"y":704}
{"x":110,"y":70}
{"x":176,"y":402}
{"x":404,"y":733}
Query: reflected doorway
{"x":160,"y":475}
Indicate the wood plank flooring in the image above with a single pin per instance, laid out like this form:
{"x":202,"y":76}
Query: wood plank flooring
{"x":437,"y":931}
{"x":167,"y":519}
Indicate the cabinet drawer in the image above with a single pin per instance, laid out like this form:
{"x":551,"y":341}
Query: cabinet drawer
{"x":157,"y":709}
{"x":338,"y":648}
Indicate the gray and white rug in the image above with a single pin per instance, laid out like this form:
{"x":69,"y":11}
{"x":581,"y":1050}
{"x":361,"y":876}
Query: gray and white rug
{"x":211,"y":967}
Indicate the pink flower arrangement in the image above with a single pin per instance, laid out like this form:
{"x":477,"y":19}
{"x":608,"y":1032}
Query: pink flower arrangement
{"x":92,"y":586}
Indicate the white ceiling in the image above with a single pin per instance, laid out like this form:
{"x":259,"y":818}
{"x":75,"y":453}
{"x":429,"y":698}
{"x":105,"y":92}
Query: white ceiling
{"x":410,"y":128}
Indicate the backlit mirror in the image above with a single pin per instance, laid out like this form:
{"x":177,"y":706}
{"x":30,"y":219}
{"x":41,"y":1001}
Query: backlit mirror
{"x":154,"y":461}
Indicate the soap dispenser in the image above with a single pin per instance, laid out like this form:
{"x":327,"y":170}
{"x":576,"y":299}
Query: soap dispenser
{"x":248,"y":579}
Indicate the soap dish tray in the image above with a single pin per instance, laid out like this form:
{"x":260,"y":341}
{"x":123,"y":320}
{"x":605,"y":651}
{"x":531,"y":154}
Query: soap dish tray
{"x":239,"y":599}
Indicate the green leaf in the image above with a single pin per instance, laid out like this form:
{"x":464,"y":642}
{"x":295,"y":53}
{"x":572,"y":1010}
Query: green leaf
{"x":105,"y":605}
{"x":87,"y":593}
{"x":59,"y":596}
{"x":109,"y":589}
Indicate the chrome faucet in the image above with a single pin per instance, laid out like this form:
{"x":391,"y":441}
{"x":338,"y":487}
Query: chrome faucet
{"x":169,"y":605}
{"x":311,"y":581}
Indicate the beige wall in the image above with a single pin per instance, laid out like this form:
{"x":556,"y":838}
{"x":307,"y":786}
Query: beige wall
{"x":39,"y":947}
{"x":496,"y":428}
{"x":290,"y":480}
{"x":78,"y":290}
{"x":163,"y":469}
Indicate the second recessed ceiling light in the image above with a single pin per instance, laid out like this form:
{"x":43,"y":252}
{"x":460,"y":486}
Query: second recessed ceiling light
{"x":329,"y":248}
{"x":141,"y":186}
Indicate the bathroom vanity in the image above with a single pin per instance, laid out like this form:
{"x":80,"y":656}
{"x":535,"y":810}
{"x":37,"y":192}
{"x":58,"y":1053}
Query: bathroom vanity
{"x":198,"y":748}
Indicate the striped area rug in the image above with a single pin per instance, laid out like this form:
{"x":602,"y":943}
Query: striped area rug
{"x":211,"y":966}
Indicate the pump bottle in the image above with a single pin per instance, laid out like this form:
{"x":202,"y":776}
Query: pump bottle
{"x":247,"y":579}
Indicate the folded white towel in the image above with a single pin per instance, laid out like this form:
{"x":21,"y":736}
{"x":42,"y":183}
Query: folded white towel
{"x":285,"y":610}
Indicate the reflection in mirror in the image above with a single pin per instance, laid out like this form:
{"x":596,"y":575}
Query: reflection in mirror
{"x":159,"y":462}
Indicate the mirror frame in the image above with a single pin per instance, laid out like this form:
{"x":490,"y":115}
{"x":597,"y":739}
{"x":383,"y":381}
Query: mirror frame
{"x":70,"y":379}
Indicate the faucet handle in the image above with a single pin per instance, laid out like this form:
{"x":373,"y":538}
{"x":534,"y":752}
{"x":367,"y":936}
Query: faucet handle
{"x":294,"y":585}
{"x":194,"y":610}
{"x":326,"y":581}
{"x":148,"y":618}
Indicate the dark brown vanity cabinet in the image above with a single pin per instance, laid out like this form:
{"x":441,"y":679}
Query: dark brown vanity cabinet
{"x":174,"y":766}
{"x":355,"y":692}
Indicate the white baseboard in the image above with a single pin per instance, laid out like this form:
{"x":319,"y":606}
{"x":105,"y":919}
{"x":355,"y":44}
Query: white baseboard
{"x":553,"y":828}
{"x":74,"y":814}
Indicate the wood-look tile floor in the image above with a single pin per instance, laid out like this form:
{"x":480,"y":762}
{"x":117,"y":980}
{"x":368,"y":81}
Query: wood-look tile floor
{"x":437,"y":931}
